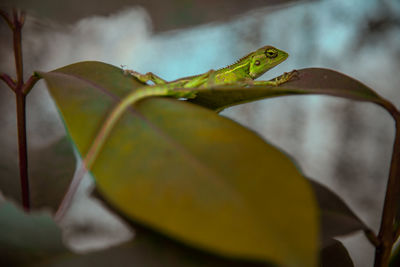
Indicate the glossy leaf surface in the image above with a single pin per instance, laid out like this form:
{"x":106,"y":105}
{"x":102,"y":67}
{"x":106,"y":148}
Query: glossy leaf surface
{"x":189,"y":173}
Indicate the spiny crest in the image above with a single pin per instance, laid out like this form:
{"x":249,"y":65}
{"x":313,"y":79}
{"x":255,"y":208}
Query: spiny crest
{"x":243,"y":58}
{"x":237,"y":61}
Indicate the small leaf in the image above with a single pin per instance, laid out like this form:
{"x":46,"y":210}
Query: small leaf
{"x":189,"y":173}
{"x":309,"y":81}
{"x":27,"y":238}
{"x":335,"y":255}
{"x":337,"y":218}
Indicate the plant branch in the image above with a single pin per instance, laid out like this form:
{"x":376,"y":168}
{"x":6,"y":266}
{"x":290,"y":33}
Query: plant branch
{"x":7,"y":79}
{"x":22,"y":150}
{"x":372,"y":238}
{"x":18,"y":22}
{"x":387,"y":232}
{"x":7,"y":18}
{"x":26,"y":88}
{"x":21,"y":90}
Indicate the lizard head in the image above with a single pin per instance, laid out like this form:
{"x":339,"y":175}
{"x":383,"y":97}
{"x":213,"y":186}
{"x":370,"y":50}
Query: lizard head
{"x":264,"y":59}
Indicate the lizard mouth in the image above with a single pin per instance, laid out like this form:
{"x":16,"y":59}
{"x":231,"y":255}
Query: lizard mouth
{"x":253,"y":75}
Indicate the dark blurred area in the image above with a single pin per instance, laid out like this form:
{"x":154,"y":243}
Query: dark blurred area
{"x":165,"y":15}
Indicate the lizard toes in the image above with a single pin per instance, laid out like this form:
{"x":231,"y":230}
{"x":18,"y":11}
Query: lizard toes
{"x":294,"y":73}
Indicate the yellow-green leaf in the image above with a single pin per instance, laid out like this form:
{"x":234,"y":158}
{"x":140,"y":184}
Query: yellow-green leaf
{"x":189,"y":173}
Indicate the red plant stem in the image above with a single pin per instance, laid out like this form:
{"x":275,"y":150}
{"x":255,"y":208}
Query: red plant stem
{"x":22,"y":150}
{"x":26,"y":88}
{"x":7,"y":18}
{"x":18,"y":48}
{"x":21,"y":111}
{"x":387,"y":233}
{"x":20,"y":89}
{"x":7,"y":79}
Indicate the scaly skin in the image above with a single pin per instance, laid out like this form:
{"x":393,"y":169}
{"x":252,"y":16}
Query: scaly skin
{"x":244,"y":71}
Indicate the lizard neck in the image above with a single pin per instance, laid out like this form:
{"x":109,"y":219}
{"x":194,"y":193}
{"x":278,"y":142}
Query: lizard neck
{"x":238,"y":66}
{"x":233,"y":73}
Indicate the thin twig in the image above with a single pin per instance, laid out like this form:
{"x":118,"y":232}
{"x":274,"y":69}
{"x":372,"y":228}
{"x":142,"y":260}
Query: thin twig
{"x":22,"y":17}
{"x":20,"y":89}
{"x":7,"y":18}
{"x":373,"y":239}
{"x":21,"y":112}
{"x":8,"y":80}
{"x":26,"y":88}
{"x":22,"y":150}
{"x":17,"y":49}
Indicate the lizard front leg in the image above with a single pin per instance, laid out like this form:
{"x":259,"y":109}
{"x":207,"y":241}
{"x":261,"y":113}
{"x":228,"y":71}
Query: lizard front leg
{"x":146,"y":77}
{"x":279,"y":80}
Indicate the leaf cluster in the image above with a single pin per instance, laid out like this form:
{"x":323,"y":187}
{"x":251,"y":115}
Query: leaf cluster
{"x":199,"y":188}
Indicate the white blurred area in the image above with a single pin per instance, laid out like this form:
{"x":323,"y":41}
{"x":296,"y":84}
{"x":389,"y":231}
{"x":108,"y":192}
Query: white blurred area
{"x":341,"y":143}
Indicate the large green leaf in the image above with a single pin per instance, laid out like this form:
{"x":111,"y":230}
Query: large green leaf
{"x":308,"y":81}
{"x":189,"y":173}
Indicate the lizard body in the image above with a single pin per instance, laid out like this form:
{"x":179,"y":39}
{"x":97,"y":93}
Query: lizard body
{"x":245,"y":70}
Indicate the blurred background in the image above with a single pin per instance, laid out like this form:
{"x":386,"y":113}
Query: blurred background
{"x":343,"y":144}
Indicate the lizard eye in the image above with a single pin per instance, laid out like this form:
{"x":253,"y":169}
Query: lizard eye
{"x":271,"y":53}
{"x":257,"y":62}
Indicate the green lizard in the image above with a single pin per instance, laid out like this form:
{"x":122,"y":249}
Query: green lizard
{"x":244,"y":71}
